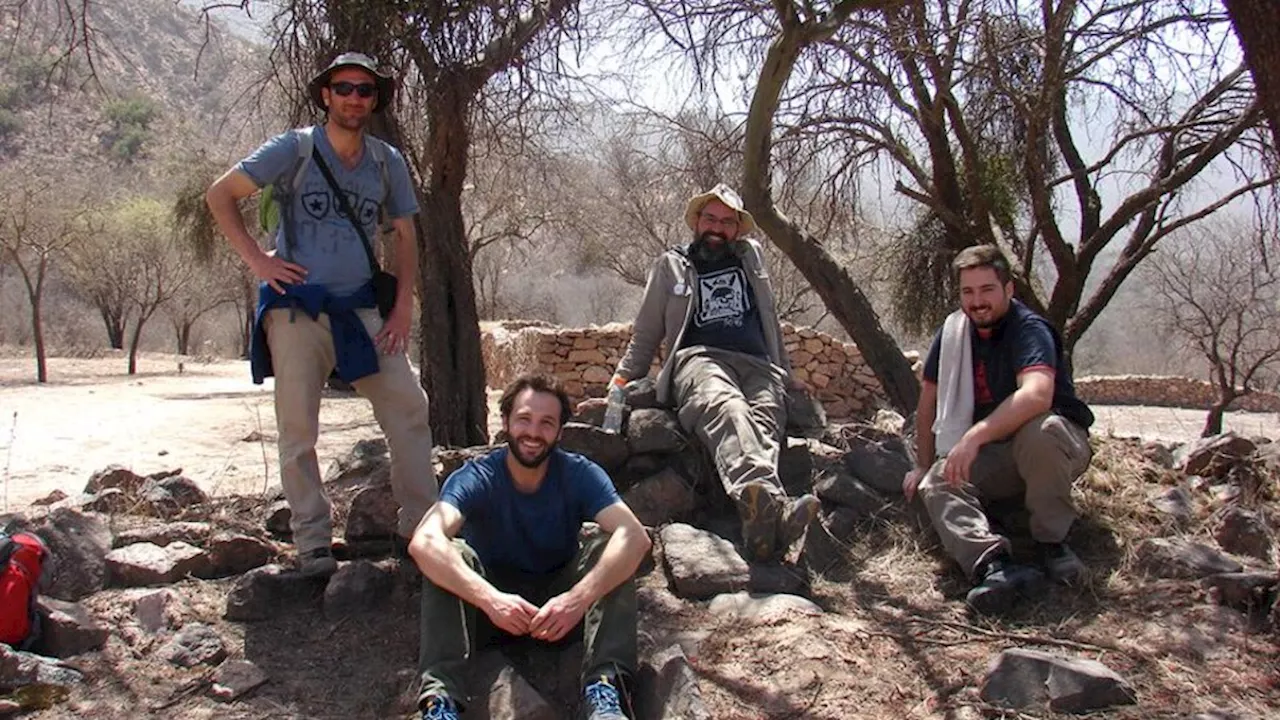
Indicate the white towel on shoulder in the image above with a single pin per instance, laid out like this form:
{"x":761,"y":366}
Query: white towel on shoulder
{"x":954,"y":415}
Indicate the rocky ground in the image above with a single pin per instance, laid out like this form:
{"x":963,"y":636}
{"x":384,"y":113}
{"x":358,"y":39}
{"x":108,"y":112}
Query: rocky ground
{"x":172,"y":603}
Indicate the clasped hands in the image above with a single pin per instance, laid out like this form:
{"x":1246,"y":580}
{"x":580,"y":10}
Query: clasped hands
{"x":516,"y":616}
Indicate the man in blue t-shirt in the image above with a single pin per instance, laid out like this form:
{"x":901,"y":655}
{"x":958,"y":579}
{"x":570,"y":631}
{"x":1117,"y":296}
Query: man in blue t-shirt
{"x":998,"y":418}
{"x":317,"y":304}
{"x":504,"y":539}
{"x":726,"y":371}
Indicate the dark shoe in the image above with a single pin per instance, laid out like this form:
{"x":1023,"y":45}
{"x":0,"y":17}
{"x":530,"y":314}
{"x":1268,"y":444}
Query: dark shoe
{"x":317,"y":563}
{"x":795,"y":520}
{"x":1061,"y":563}
{"x":439,"y":707}
{"x":602,"y":699}
{"x":761,"y":513}
{"x":1002,"y":584}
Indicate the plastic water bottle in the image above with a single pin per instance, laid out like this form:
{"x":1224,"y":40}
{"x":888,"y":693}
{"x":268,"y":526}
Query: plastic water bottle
{"x":613,"y":411}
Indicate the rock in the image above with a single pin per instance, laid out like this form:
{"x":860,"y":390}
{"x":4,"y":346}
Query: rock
{"x":609,"y":450}
{"x":1244,"y":532}
{"x":357,"y":586}
{"x":1224,"y":493}
{"x":821,"y":550}
{"x":508,"y":696}
{"x":374,"y":514}
{"x":172,"y":496}
{"x":142,"y":564}
{"x":641,"y":393}
{"x":234,"y":678}
{"x":79,"y":542}
{"x":51,"y":498}
{"x":591,"y":412}
{"x":1175,"y":502}
{"x":118,"y":477}
{"x":840,"y":488}
{"x":1158,"y":454}
{"x":805,"y":415}
{"x":1030,"y":679}
{"x":753,"y":607}
{"x":450,"y":459}
{"x":195,"y":644}
{"x":231,"y":554}
{"x":889,"y":422}
{"x":278,"y":517}
{"x":156,"y":610}
{"x":109,"y":501}
{"x":650,"y":430}
{"x":840,"y":521}
{"x":367,"y":463}
{"x":879,"y":465}
{"x":1248,"y":592}
{"x":701,"y":565}
{"x":795,"y":466}
{"x":670,"y":687}
{"x":270,"y":590}
{"x":661,"y":498}
{"x":1213,"y":456}
{"x":67,"y":629}
{"x":192,"y":533}
{"x":21,"y":669}
{"x":1182,"y":559}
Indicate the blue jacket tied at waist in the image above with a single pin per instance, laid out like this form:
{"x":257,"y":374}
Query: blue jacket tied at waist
{"x":353,"y":349}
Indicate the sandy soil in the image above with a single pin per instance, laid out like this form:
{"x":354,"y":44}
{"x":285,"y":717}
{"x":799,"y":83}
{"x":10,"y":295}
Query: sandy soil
{"x":209,"y":419}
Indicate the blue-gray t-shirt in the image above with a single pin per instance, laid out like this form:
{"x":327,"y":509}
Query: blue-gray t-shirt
{"x":534,"y":533}
{"x":322,"y":240}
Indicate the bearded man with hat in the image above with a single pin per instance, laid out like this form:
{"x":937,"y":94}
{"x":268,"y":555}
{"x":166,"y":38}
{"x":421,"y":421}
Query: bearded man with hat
{"x":318,"y":308}
{"x":726,"y":371}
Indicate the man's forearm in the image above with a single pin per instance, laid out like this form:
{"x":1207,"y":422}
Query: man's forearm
{"x":226,"y":214}
{"x":406,"y":263}
{"x":926,"y":443}
{"x":444,"y":566}
{"x":621,"y":557}
{"x":1009,"y":415}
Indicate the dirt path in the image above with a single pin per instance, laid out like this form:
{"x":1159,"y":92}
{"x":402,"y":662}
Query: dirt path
{"x":210,"y":420}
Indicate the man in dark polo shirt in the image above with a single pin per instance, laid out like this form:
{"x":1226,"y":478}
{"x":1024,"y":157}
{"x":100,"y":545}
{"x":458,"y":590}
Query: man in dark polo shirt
{"x":998,"y":419}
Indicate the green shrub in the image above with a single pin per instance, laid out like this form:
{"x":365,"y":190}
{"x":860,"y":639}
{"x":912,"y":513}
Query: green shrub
{"x":128,"y":143}
{"x":10,"y":123}
{"x":135,"y":112}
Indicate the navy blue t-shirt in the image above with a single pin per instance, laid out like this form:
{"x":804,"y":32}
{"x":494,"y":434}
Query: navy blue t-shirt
{"x":725,"y":314}
{"x":535,"y":533}
{"x":1018,"y":341}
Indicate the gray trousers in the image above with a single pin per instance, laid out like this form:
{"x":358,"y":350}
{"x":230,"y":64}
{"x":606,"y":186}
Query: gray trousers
{"x":735,"y":404}
{"x":1039,"y":463}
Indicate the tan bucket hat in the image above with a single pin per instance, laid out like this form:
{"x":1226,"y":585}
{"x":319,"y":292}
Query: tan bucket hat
{"x":726,"y":195}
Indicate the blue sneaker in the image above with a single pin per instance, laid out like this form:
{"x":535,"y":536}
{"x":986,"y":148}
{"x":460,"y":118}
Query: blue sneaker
{"x":601,"y":700}
{"x":439,"y":707}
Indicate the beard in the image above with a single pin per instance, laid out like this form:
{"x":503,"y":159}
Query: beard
{"x":513,"y":446}
{"x":711,"y":246}
{"x":350,"y":121}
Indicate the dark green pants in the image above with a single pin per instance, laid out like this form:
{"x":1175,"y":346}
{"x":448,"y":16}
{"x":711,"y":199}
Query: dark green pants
{"x":454,"y":630}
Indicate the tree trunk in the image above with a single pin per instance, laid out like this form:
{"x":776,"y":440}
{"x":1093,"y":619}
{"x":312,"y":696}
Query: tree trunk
{"x":450,"y":357}
{"x":133,"y":346}
{"x":182,"y":331}
{"x":37,"y":329}
{"x":114,"y":320}
{"x":842,"y":296}
{"x":1257,"y":26}
{"x":1213,"y":421}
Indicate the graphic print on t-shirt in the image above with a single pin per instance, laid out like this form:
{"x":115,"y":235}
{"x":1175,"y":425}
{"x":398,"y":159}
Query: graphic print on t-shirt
{"x":316,"y":204}
{"x":722,"y":298}
{"x":981,"y":389}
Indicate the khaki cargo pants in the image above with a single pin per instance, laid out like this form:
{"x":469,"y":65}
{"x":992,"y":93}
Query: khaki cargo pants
{"x":735,"y":404}
{"x":302,"y":355}
{"x":1040,"y":464}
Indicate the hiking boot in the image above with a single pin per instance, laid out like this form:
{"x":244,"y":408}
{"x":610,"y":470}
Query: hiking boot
{"x":795,"y":520}
{"x":439,"y":707}
{"x":317,"y":563}
{"x":1061,"y":563}
{"x":1002,"y":584}
{"x":602,"y":699}
{"x":760,"y":512}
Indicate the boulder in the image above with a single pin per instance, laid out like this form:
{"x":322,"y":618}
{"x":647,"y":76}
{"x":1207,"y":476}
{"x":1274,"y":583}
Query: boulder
{"x":173,"y":496}
{"x":367,"y":463}
{"x":54,"y":496}
{"x":232,"y":554}
{"x":1158,"y":454}
{"x":650,"y":430}
{"x":839,"y":487}
{"x":142,"y":564}
{"x":753,"y":607}
{"x":591,"y":412}
{"x":507,"y":695}
{"x":805,"y":414}
{"x":22,"y":669}
{"x":1213,"y":456}
{"x":879,"y":464}
{"x":1248,"y":592}
{"x":889,"y":422}
{"x":79,"y":542}
{"x":157,"y":610}
{"x":450,"y":459}
{"x":108,"y":501}
{"x":1030,"y":679}
{"x":1176,"y":502}
{"x":235,"y":678}
{"x":271,"y":590}
{"x":702,"y":565}
{"x":1244,"y":532}
{"x":641,"y":393}
{"x":1177,"y":558}
{"x":374,"y":513}
{"x":357,"y":586}
{"x":669,"y":687}
{"x":67,"y":629}
{"x":195,"y":644}
{"x":278,"y":517}
{"x":609,"y":450}
{"x":795,"y":466}
{"x":192,"y":533}
{"x":661,"y":498}
{"x":118,"y":477}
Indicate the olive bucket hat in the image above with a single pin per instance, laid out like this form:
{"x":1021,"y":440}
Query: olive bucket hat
{"x":386,"y":84}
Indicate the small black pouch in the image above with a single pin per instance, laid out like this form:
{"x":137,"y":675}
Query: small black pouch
{"x":384,"y":292}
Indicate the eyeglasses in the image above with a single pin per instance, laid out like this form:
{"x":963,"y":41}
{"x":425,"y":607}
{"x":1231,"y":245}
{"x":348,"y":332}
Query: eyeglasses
{"x":712,"y":220}
{"x":364,"y":90}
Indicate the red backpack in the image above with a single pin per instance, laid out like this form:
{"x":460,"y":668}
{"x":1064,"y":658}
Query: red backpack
{"x":22,"y":564}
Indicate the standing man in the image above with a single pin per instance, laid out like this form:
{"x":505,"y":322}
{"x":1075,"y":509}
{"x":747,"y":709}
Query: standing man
{"x":317,"y":307}
{"x":504,"y":539}
{"x":726,"y":370}
{"x":998,"y":418}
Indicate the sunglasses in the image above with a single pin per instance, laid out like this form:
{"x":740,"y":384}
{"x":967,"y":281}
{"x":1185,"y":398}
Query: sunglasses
{"x":364,"y":90}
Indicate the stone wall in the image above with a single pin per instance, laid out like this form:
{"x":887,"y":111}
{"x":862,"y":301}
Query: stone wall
{"x":1165,"y":391}
{"x":585,"y":358}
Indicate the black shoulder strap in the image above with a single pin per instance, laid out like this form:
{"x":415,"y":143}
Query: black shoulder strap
{"x":346,"y":208}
